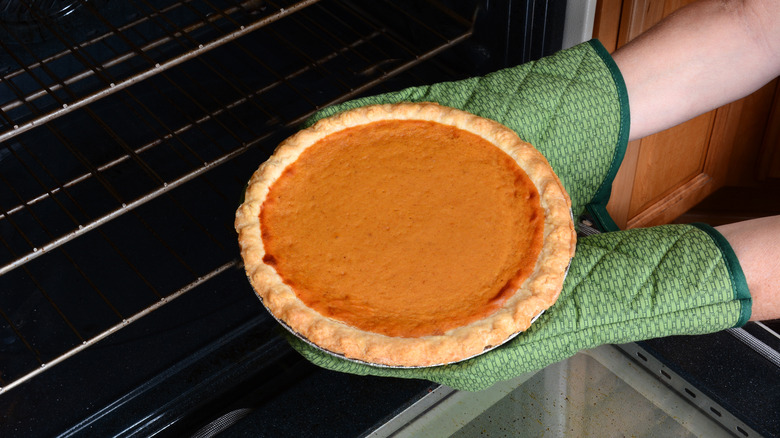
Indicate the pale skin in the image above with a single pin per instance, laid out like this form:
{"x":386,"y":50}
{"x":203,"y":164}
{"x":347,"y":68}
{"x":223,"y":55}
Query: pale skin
{"x":706,"y":55}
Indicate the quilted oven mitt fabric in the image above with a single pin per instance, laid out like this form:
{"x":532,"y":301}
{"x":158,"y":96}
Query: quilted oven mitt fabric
{"x":622,"y":286}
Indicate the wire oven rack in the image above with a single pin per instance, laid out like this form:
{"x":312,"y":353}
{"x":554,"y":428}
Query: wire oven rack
{"x":117,"y":120}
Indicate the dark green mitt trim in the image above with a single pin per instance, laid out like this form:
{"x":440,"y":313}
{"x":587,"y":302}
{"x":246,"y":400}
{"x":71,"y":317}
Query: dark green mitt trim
{"x":738,"y":280}
{"x":598,"y":205}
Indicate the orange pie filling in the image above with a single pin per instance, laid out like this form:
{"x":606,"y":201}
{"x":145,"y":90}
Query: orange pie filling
{"x":406,"y":228}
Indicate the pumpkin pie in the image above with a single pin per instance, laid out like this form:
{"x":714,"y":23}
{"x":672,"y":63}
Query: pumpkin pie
{"x":406,"y":235}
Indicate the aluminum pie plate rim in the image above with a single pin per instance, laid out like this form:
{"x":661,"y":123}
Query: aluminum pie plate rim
{"x":378,"y":365}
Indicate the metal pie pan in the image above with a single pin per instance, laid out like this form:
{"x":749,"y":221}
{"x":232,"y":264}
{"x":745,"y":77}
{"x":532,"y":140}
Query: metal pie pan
{"x":378,"y":365}
{"x":362,"y":362}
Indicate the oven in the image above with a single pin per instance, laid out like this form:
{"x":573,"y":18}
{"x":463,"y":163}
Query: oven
{"x":128,"y":130}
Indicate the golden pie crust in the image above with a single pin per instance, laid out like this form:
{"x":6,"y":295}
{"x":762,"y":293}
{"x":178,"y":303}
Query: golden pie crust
{"x":406,"y":235}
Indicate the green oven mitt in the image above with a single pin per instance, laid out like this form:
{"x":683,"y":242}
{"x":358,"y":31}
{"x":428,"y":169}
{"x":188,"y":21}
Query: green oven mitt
{"x":622,"y":286}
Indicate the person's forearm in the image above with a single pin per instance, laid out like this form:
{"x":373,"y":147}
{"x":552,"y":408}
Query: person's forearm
{"x":703,"y":56}
{"x":757,"y":245}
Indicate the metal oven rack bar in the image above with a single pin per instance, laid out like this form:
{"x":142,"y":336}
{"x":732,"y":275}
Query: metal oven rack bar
{"x":114,"y":137}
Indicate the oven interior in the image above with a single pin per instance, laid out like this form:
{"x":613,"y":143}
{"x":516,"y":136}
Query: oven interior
{"x":129,"y":130}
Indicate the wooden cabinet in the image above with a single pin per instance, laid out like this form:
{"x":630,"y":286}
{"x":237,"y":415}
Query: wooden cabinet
{"x":769,"y":169}
{"x":665,"y":174}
